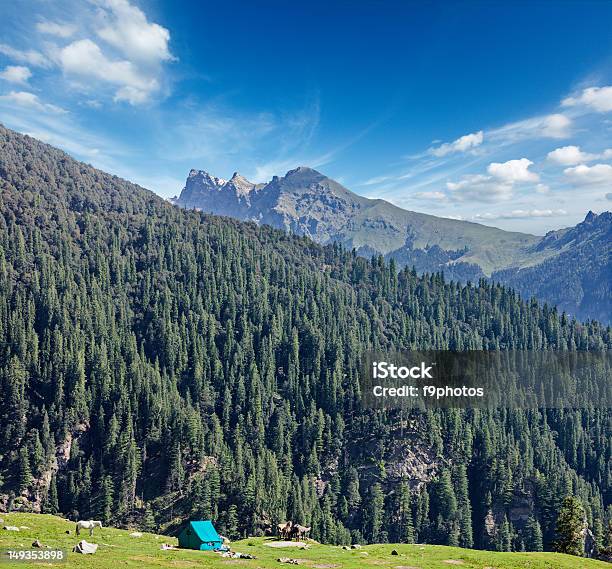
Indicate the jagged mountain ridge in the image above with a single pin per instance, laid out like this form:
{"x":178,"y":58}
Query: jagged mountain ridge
{"x":309,"y":203}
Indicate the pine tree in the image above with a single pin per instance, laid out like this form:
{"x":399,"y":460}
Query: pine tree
{"x":232,"y":522}
{"x":24,"y":472}
{"x":503,"y":538}
{"x":51,"y":505}
{"x":464,"y":507}
{"x":570,"y":526}
{"x":148,"y":520}
{"x":533,"y":535}
{"x":404,"y":514}
{"x":353,"y":497}
{"x":103,"y":500}
{"x":373,"y":514}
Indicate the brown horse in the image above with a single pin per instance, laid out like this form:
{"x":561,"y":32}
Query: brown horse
{"x":285,"y":530}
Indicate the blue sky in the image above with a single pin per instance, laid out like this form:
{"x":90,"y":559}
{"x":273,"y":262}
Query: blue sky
{"x":496,"y":112}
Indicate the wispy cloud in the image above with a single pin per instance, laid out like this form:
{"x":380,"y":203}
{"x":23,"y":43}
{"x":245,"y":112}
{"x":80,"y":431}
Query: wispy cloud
{"x":58,"y":29}
{"x":302,"y":152}
{"x":29,"y":56}
{"x":556,"y":125}
{"x":29,"y":100}
{"x":29,"y":114}
{"x":16,"y":74}
{"x":520,"y":214}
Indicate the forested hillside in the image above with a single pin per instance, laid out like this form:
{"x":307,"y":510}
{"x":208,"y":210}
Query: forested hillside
{"x":158,"y":363}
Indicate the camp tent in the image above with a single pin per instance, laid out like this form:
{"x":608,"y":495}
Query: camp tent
{"x":200,"y":535}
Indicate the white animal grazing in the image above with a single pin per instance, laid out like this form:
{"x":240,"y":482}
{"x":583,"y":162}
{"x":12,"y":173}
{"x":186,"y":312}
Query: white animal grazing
{"x":89,"y":524}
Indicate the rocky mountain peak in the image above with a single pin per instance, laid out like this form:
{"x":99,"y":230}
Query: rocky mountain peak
{"x":302,"y":170}
{"x":239,"y":184}
{"x":204,"y":178}
{"x":303,"y":173}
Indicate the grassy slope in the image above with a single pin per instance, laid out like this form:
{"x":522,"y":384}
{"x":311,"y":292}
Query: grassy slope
{"x":118,"y":549}
{"x":489,"y":247}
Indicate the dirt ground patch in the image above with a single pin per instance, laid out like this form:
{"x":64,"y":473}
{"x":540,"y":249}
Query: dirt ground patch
{"x":285,"y":543}
{"x":454,"y":562}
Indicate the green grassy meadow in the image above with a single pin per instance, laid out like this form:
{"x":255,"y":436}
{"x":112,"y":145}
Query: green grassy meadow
{"x":118,"y":549}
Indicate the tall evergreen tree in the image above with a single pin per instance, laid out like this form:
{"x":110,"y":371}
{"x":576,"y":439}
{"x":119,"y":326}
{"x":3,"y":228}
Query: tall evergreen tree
{"x":570,"y":526}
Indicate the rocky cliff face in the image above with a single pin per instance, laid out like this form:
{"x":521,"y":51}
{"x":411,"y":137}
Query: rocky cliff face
{"x":215,"y":195}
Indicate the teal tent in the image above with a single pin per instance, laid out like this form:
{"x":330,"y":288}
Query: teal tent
{"x":200,"y":535}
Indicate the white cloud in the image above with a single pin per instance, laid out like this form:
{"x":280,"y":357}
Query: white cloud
{"x":498,"y":186}
{"x":480,"y":188}
{"x":16,"y":74}
{"x":521,"y":214}
{"x":598,"y":98}
{"x":127,"y":28}
{"x":128,"y":55}
{"x":556,"y":126}
{"x":583,"y":175}
{"x":513,"y":171}
{"x":118,"y":52}
{"x":570,"y":155}
{"x":84,"y":58}
{"x":430,"y":195}
{"x":31,"y":101}
{"x":462,"y":144}
{"x":29,"y":56}
{"x":469,"y":179}
{"x":542,"y":189}
{"x":56,"y":29}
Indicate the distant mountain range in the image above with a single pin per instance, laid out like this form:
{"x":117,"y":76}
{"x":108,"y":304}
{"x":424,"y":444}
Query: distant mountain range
{"x":569,"y":268}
